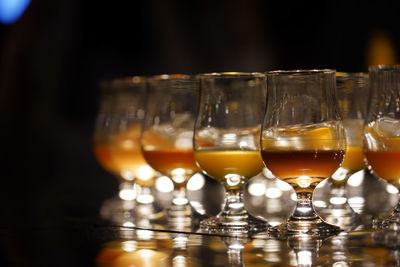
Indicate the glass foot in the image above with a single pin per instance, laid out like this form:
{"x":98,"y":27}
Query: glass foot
{"x":390,"y":221}
{"x":117,"y":210}
{"x":344,"y":217}
{"x":385,"y":223}
{"x":230,"y":225}
{"x":318,"y":228}
{"x":120,"y":211}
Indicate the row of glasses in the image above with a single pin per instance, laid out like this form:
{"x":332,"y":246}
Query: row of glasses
{"x":302,"y":135}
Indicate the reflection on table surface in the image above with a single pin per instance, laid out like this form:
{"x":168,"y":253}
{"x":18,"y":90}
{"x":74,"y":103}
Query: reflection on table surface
{"x":138,"y":247}
{"x":130,"y":242}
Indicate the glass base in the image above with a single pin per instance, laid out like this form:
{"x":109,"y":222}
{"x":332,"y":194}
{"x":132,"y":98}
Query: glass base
{"x":232,"y":225}
{"x":317,"y":228}
{"x":389,"y":238}
{"x":391,"y":221}
{"x":120,"y":211}
{"x":344,"y":217}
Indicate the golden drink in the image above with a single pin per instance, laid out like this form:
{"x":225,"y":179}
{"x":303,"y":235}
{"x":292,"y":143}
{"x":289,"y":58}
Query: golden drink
{"x":219,"y":164}
{"x":103,"y":155}
{"x":303,"y":168}
{"x":354,"y":159}
{"x":172,"y":162}
{"x":385,"y":164}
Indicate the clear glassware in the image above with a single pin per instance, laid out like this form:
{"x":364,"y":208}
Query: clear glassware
{"x":306,"y":248}
{"x":102,"y":128}
{"x":382,"y":131}
{"x":235,"y":246}
{"x":117,"y":136}
{"x":167,"y":137}
{"x":352,"y":92}
{"x":226,"y":143}
{"x":302,"y":140}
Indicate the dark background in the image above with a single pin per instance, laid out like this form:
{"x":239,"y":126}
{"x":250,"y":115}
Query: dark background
{"x":52,"y":58}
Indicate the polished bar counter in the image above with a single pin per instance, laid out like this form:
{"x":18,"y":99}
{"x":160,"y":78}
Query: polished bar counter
{"x":97,"y":240}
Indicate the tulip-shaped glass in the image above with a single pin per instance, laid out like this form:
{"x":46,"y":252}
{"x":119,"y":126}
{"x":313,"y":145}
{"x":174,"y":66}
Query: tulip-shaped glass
{"x":382,"y":130}
{"x":352,"y":93}
{"x":303,"y":140}
{"x":226,"y":143}
{"x":167,"y":138}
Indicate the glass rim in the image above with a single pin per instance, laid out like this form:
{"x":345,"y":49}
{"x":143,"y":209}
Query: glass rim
{"x":342,"y":74}
{"x":295,"y":72}
{"x":232,"y":74}
{"x":384,"y":67}
{"x":174,"y":76}
{"x":127,"y":80}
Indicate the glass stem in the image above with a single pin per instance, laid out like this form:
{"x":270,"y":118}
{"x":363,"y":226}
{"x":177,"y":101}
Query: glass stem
{"x":304,"y":209}
{"x":179,"y":196}
{"x":395,"y":214}
{"x":338,"y":197}
{"x":235,"y":257}
{"x":234,"y":203}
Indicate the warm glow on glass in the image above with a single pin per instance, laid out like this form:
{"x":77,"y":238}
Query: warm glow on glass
{"x":391,"y":189}
{"x":283,"y":185}
{"x":232,"y":179}
{"x":129,"y":246}
{"x":304,"y":181}
{"x":304,"y":258}
{"x":164,"y":184}
{"x":356,"y":179}
{"x":145,"y":173}
{"x":128,"y":194}
{"x":145,"y":199}
{"x":273,"y":192}
{"x":257,"y":189}
{"x":337,"y":200}
{"x":196,"y":182}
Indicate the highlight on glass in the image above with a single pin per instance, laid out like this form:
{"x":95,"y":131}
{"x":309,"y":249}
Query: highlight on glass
{"x":226,"y":143}
{"x":302,"y":140}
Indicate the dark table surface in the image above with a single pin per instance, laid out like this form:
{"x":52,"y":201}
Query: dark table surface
{"x":82,"y":238}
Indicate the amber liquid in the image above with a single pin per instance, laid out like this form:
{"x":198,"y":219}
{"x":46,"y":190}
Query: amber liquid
{"x":219,"y":164}
{"x":303,"y":169}
{"x":103,"y":155}
{"x":168,"y":161}
{"x":353,"y":159}
{"x":385,"y":164}
{"x":128,"y":159}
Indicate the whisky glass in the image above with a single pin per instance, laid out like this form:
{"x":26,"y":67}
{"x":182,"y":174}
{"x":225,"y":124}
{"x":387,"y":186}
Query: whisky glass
{"x":352,"y":92}
{"x":102,"y":128}
{"x":120,"y":133}
{"x":226,"y":143}
{"x":382,"y":131}
{"x":302,"y":140}
{"x":167,"y":135}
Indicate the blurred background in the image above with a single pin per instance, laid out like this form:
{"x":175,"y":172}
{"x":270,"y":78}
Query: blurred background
{"x":53,"y":53}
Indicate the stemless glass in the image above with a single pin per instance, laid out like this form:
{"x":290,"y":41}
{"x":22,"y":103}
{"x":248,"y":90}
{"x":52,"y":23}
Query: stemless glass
{"x":302,"y":140}
{"x":226,"y":143}
{"x":167,"y":135}
{"x":352,"y":92}
{"x":136,"y":176}
{"x":382,"y":130}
